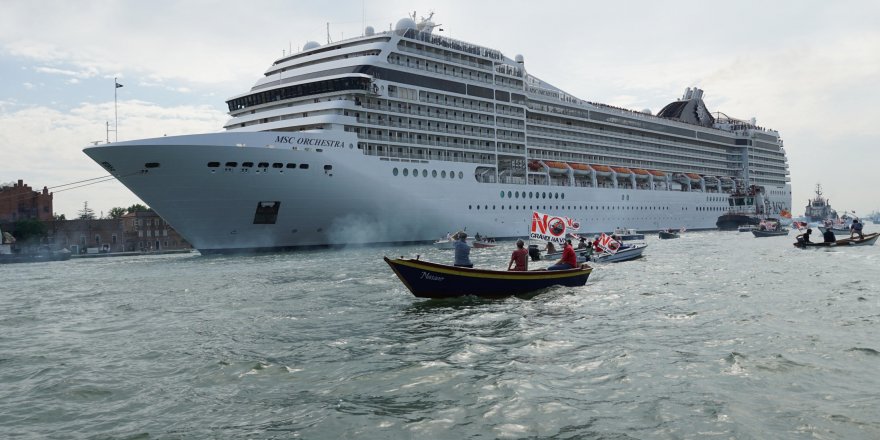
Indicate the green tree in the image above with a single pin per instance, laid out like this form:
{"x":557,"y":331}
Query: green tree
{"x":137,"y":207}
{"x":59,"y":216}
{"x":117,"y":212}
{"x":28,"y":229}
{"x":86,"y":213}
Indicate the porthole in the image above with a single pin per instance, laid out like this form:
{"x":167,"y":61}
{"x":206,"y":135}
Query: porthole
{"x":247,"y":164}
{"x":277,"y":165}
{"x":460,"y":175}
{"x":263,"y":165}
{"x":502,"y":194}
{"x":291,"y":165}
{"x":303,"y":166}
{"x":416,"y":172}
{"x":231,"y":164}
{"x":562,"y":196}
{"x":424,"y":173}
{"x":394,"y":171}
{"x":543,"y":195}
{"x":452,"y":174}
{"x":516,"y":194}
{"x":213,"y":164}
{"x":478,"y":207}
{"x":406,"y":171}
{"x":443,"y":174}
{"x":328,"y":167}
{"x":530,"y":195}
{"x":433,"y":173}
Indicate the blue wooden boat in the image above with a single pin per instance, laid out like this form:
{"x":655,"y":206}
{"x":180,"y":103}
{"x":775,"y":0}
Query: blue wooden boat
{"x":432,"y":280}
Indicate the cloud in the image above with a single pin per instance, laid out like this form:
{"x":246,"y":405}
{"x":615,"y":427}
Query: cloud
{"x":48,"y":143}
{"x":85,"y":73}
{"x":27,"y":85}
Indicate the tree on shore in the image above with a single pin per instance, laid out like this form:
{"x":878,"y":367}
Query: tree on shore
{"x":86,"y":213}
{"x":59,"y":217}
{"x":28,"y":229}
{"x":116,"y":213}
{"x":138,"y":207}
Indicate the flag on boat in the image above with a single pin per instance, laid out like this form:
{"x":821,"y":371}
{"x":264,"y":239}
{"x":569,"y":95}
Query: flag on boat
{"x":607,"y":244}
{"x":551,"y":228}
{"x":785,"y":213}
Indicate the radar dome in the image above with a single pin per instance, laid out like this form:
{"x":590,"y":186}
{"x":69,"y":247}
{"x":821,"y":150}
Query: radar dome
{"x":646,"y":111}
{"x":311,"y":45}
{"x":404,"y":24}
{"x":519,"y":59}
{"x":369,"y":31}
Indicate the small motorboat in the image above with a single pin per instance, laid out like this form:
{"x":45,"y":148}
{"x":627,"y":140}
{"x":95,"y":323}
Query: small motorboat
{"x":433,"y":280}
{"x":745,"y":228}
{"x":767,"y":233}
{"x":867,"y":241}
{"x":624,"y":253}
{"x":666,"y":235}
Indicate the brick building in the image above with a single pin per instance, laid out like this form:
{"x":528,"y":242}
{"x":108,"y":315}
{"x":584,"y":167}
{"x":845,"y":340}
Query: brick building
{"x":135,"y":231}
{"x":20,"y":202}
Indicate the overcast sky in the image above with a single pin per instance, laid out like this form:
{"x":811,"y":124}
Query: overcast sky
{"x":810,"y":69}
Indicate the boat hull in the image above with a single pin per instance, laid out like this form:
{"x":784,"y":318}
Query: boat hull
{"x":432,"y":280}
{"x":732,"y":222}
{"x":338,"y":196}
{"x":667,"y":235}
{"x":869,"y":240}
{"x":621,"y":255}
{"x":759,"y":233}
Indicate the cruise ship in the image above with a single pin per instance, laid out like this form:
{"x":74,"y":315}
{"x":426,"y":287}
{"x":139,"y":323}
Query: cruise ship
{"x":406,"y":135}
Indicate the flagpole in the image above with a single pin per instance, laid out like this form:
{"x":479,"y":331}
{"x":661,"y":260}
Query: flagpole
{"x":115,"y":111}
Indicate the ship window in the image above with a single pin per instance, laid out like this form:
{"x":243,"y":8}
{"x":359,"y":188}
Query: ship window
{"x":502,"y":194}
{"x":291,"y":165}
{"x":443,"y":174}
{"x":415,"y":173}
{"x":394,"y":171}
{"x":304,"y":166}
{"x":406,"y":172}
{"x":277,"y":165}
{"x":213,"y":164}
{"x":231,"y":164}
{"x":460,"y":175}
{"x":478,"y":207}
{"x":452,"y":174}
{"x":328,"y":167}
{"x":424,"y":173}
{"x":151,"y":165}
{"x":433,"y":173}
{"x":266,"y":213}
{"x":562,"y":196}
{"x":263,"y":165}
{"x":247,"y":164}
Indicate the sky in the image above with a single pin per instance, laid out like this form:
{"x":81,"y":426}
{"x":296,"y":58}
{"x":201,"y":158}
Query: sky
{"x":809,"y":69}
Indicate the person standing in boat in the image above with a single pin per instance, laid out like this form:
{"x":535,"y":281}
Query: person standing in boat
{"x":856,"y":229}
{"x":568,"y":260}
{"x":519,"y":259}
{"x":550,"y":249}
{"x":462,"y":251}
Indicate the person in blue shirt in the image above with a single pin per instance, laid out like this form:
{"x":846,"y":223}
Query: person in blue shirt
{"x":462,"y":251}
{"x":856,"y":228}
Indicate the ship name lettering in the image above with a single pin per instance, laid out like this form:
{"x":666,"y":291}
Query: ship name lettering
{"x":430,"y":276}
{"x":309,"y":142}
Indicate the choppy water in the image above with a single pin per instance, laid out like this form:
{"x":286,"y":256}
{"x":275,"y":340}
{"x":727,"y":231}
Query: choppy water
{"x":714,"y":335}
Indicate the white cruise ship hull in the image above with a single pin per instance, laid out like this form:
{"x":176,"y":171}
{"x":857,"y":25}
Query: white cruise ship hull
{"x":345,"y":197}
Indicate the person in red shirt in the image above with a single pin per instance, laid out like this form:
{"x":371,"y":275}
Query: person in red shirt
{"x":568,"y":260}
{"x":519,"y":260}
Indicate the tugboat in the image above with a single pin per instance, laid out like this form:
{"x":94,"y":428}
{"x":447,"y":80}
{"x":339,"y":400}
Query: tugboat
{"x":819,"y":210}
{"x":746,"y":207}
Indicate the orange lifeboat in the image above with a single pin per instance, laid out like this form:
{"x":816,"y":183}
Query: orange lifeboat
{"x":656,"y":173}
{"x":556,"y":167}
{"x":693,"y":176}
{"x":534,"y":165}
{"x":601,"y":170}
{"x":640,"y":173}
{"x":580,"y":168}
{"x":622,"y":171}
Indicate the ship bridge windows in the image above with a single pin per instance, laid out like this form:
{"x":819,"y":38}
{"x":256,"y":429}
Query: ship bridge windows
{"x":299,"y":90}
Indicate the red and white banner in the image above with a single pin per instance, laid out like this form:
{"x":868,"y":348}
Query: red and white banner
{"x":607,"y":244}
{"x":551,"y":227}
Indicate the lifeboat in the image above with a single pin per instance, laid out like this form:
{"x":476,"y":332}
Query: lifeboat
{"x":580,"y":168}
{"x":601,"y":170}
{"x":693,"y":176}
{"x":656,"y":173}
{"x":534,"y":165}
{"x":622,"y":171}
{"x":640,"y":173}
{"x":556,"y":167}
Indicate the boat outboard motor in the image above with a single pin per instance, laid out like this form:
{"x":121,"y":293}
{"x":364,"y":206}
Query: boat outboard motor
{"x":534,"y":253}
